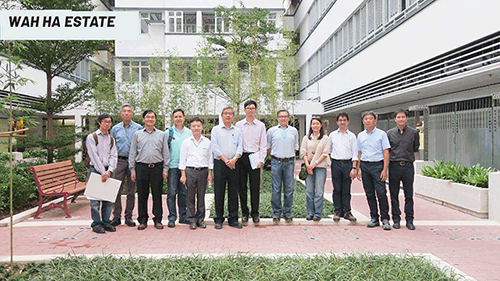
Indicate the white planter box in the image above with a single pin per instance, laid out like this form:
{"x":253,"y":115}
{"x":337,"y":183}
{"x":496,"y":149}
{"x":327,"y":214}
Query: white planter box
{"x":467,"y":198}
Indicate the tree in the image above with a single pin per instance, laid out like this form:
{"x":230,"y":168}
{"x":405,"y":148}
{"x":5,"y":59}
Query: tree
{"x":55,"y":57}
{"x":243,"y":64}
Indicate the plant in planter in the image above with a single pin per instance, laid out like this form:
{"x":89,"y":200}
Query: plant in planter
{"x":475,"y":175}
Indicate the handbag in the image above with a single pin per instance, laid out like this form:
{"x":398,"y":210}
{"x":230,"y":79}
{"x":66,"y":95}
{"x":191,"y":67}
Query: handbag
{"x":303,"y":172}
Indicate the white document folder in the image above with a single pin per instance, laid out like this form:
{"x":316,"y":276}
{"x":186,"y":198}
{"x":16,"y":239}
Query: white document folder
{"x":98,"y":190}
{"x":254,"y":160}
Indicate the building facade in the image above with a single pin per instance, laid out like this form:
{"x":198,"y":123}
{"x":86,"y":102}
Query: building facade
{"x":438,"y":58}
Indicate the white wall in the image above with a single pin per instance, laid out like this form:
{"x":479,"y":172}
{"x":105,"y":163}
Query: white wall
{"x":195,"y":3}
{"x":441,"y":27}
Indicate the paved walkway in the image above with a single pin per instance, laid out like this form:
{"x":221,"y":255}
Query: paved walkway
{"x":470,"y":244}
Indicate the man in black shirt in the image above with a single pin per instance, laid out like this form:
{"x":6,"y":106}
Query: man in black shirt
{"x":405,"y":142}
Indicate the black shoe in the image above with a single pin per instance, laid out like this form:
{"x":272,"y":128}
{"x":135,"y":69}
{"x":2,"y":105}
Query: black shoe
{"x":276,"y":218}
{"x":129,"y":222}
{"x":201,"y":225}
{"x":116,"y":221}
{"x":158,"y":225}
{"x":184,"y":222}
{"x":192,"y":226}
{"x":256,"y":219}
{"x":316,"y":218}
{"x":171,"y":224}
{"x":218,"y":225}
{"x":109,"y":227}
{"x":288,"y":219}
{"x":236,"y":225}
{"x":98,"y":229}
{"x":309,"y":218}
{"x":142,"y":226}
{"x":373,"y":223}
{"x":396,"y":225}
{"x":244,"y":219}
{"x":410,"y":225}
{"x":386,"y":225}
{"x":348,"y":216}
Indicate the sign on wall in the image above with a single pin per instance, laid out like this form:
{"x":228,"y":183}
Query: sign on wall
{"x":68,"y":25}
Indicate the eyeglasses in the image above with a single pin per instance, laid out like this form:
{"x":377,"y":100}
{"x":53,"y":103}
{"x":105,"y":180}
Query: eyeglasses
{"x":250,"y":108}
{"x":228,"y":113}
{"x":283,"y":117}
{"x":107,"y":122}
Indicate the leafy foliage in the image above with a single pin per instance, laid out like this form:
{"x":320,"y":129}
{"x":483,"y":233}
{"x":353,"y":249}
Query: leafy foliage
{"x":475,"y":175}
{"x":235,"y":267}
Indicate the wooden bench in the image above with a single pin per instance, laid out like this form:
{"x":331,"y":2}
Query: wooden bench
{"x":57,"y":179}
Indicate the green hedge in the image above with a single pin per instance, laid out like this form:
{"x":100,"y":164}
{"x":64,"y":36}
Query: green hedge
{"x":475,"y":175}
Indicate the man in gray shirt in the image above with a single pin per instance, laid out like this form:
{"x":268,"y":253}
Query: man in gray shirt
{"x":149,"y":160}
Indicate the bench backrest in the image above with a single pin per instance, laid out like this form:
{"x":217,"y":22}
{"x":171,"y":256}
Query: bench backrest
{"x":50,"y":176}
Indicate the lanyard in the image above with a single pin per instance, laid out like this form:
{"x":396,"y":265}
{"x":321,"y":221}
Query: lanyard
{"x":283,"y":133}
{"x":125,"y":131}
{"x":195,"y":143}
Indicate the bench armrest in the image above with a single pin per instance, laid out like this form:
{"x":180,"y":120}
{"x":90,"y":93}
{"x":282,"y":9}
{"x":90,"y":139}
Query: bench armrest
{"x":81,"y":173}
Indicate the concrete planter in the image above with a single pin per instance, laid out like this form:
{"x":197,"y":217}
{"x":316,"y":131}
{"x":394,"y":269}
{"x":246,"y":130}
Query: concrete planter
{"x":466,"y":198}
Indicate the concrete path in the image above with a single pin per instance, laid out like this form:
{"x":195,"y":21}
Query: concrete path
{"x":467,"y":243}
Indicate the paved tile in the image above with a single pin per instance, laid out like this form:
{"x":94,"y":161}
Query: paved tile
{"x":465,"y":242}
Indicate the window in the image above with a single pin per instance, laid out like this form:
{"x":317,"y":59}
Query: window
{"x":362,"y":16}
{"x":358,"y":27}
{"x":189,"y":22}
{"x":271,"y":18}
{"x":392,"y":8}
{"x":175,"y":21}
{"x":181,"y":70}
{"x":208,"y":22}
{"x":313,"y":15}
{"x":144,"y":23}
{"x":371,"y":16}
{"x":222,"y":26}
{"x":135,"y":71}
{"x":378,"y":13}
{"x":146,"y":17}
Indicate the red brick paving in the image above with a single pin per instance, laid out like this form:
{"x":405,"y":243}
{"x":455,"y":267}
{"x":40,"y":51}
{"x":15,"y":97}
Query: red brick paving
{"x":472,"y":249}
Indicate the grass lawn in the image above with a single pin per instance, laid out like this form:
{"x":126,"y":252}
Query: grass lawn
{"x":236,"y":267}
{"x":299,"y":200}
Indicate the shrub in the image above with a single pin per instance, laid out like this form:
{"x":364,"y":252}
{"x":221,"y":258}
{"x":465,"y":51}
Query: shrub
{"x":475,"y":175}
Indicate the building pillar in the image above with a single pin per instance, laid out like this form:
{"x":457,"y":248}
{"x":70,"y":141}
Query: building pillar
{"x":79,"y":123}
{"x":308,"y":122}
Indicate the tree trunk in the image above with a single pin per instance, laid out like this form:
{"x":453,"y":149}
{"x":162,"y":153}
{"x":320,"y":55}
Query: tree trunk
{"x":50,"y":119}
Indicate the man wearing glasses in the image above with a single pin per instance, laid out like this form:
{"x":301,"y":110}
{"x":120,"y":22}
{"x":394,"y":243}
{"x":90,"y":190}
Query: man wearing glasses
{"x":254,"y":141}
{"x":282,"y":143}
{"x":227,"y":148}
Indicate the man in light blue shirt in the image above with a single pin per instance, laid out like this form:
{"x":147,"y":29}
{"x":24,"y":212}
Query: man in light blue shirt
{"x":282,"y":143}
{"x":176,"y":135}
{"x":122,"y":133}
{"x":227,"y":146}
{"x":373,"y":153}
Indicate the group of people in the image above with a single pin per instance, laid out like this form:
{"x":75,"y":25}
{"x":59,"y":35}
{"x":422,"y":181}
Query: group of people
{"x":143,"y":157}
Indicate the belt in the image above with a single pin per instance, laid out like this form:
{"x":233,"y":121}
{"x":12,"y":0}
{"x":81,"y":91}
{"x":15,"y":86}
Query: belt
{"x":282,"y":159}
{"x":248,"y":152}
{"x":401,"y":163}
{"x":123,"y":157}
{"x":197,"y":169}
{"x":105,"y":168}
{"x":151,"y":165}
{"x":372,"y":162}
{"x":343,"y":161}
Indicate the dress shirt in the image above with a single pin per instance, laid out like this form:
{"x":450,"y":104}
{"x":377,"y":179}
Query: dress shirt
{"x":227,"y":142}
{"x":149,"y":148}
{"x":100,"y":155}
{"x":283,"y":142}
{"x":123,"y":136}
{"x":175,"y":145}
{"x":403,"y":145}
{"x":254,"y":137}
{"x":343,"y":145}
{"x":196,"y":154}
{"x":372,"y":145}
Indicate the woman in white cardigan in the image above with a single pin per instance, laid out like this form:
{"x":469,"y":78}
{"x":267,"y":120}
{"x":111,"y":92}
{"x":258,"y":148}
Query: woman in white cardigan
{"x":315,"y":149}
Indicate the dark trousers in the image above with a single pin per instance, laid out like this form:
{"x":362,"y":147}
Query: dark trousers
{"x":370,"y":174}
{"x":146,"y":177}
{"x":122,"y":172}
{"x":246,"y":173}
{"x":196,"y":183}
{"x":341,"y":181}
{"x":222,"y":175}
{"x":405,"y":174}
